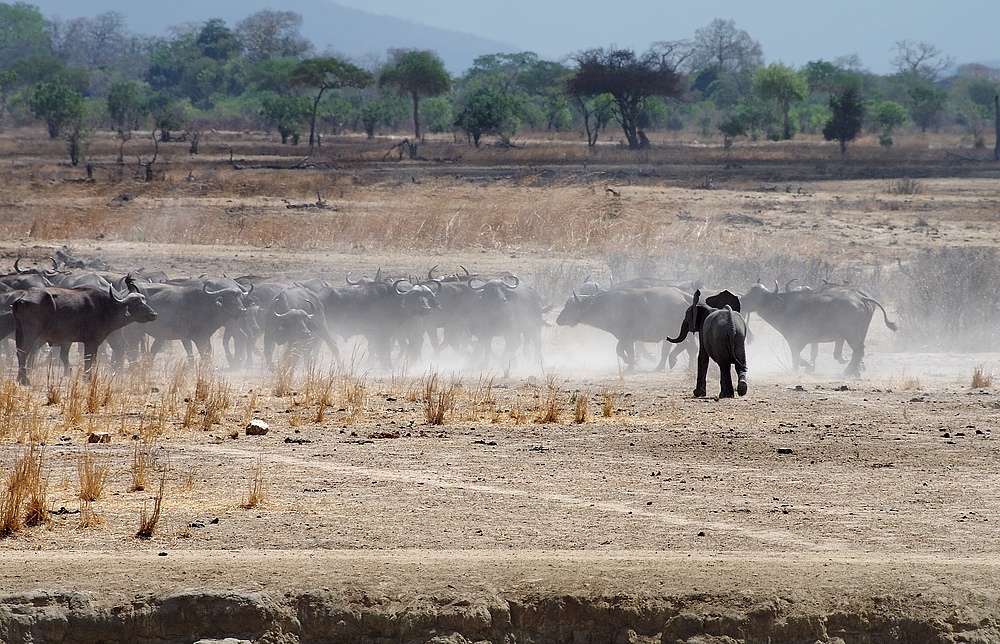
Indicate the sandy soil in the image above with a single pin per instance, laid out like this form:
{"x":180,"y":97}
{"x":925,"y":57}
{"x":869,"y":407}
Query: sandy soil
{"x":817,"y":495}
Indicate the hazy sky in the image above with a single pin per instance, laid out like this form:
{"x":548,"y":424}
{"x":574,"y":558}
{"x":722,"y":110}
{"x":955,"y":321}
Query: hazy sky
{"x":793,"y":32}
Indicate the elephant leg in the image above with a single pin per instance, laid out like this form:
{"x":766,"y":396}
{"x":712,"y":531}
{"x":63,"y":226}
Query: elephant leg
{"x":726,"y":380}
{"x":700,"y":385}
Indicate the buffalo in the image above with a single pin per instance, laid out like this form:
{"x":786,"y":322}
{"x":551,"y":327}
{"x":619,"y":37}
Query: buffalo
{"x":631,"y":315}
{"x":836,"y":314}
{"x":83,"y":314}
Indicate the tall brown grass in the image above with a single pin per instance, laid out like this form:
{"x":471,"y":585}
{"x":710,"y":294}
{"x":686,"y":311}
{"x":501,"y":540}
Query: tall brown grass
{"x":24,"y":492}
{"x":148,"y":522}
{"x":550,"y":402}
{"x":981,"y":379}
{"x":439,"y":399}
{"x":92,"y":472}
{"x":255,"y":484}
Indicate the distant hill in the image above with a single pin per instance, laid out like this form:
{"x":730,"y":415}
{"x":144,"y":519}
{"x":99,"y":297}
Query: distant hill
{"x":330,"y":27}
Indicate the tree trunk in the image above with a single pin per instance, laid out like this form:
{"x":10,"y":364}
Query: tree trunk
{"x":312,"y":120}
{"x":996,"y":145}
{"x":416,"y":116}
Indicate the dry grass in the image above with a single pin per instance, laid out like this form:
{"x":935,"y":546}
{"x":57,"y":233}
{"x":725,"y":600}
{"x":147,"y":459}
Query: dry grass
{"x":92,"y":473}
{"x":148,"y":522}
{"x":24,"y":492}
{"x":549,"y":407}
{"x":580,"y":411}
{"x":142,"y":464}
{"x":439,"y":400}
{"x":609,"y":400}
{"x":255,"y":484}
{"x":981,"y":379}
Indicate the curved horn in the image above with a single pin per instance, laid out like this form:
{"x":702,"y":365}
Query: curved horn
{"x":312,"y":308}
{"x":576,"y":298}
{"x":789,"y":283}
{"x":476,"y":288}
{"x":247,"y":291}
{"x":115,"y":296}
{"x":215,"y":292}
{"x":467,"y":273}
{"x":437,"y":286}
{"x":430,"y":273}
{"x":508,"y":284}
{"x":395,"y":287}
{"x":348,"y":278}
{"x":18,"y":268}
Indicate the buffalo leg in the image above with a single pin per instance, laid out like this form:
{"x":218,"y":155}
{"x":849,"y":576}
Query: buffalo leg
{"x":25,"y":343}
{"x":626,"y":351}
{"x":857,"y":353}
{"x":838,"y":352}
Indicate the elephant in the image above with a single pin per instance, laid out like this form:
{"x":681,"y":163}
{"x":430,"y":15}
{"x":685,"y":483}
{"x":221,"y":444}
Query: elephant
{"x":723,"y":337}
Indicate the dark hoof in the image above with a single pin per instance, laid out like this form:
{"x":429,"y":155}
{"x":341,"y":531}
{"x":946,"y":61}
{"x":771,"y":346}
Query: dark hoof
{"x":699,"y":393}
{"x":741,"y":388}
{"x":726,"y":394}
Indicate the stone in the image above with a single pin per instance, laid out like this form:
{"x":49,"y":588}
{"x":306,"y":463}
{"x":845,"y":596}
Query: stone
{"x":257,"y":427}
{"x":99,"y":437}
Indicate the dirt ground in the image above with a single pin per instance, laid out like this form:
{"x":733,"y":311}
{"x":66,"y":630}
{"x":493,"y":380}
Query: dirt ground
{"x":813,"y":509}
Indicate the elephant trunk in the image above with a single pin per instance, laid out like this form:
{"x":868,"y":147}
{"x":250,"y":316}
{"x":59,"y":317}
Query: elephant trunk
{"x":683,"y":334}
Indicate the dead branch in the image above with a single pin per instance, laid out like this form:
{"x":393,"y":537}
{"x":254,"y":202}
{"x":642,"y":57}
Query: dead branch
{"x":320,"y":204}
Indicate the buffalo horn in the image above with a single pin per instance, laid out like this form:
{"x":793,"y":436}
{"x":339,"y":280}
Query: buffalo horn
{"x":395,"y":286}
{"x":348,"y":278}
{"x":115,"y":296}
{"x":515,"y":279}
{"x":430,"y":273}
{"x":215,"y":292}
{"x":789,"y":283}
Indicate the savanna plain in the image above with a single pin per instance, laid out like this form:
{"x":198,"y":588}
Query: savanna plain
{"x":563,"y":501}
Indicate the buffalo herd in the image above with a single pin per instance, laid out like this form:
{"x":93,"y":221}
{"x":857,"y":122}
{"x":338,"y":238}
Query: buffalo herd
{"x":406,"y":318}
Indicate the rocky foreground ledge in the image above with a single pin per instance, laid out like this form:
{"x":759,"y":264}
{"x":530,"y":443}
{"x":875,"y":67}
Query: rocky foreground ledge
{"x":473,"y":596}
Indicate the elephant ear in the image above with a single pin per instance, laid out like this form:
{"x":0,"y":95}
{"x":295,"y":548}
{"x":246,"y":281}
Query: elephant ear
{"x":720,"y":300}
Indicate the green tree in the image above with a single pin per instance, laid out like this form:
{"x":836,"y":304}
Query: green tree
{"x":438,"y":114}
{"x":926,"y":103}
{"x":271,"y":75}
{"x":488,"y":112}
{"x":889,"y":115}
{"x":127,"y":109}
{"x":415,"y":73}
{"x":598,"y":110}
{"x":629,"y":79}
{"x":8,"y":81}
{"x":731,"y":128}
{"x":848,"y":113}
{"x":57,"y":103}
{"x":285,"y":114}
{"x":23,"y":33}
{"x":785,"y":86}
{"x":324,"y":74}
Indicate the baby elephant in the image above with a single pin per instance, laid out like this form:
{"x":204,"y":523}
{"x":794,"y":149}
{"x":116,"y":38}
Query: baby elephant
{"x":723,"y":333}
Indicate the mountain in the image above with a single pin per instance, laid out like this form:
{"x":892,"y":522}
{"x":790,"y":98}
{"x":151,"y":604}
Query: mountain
{"x":329,"y":26}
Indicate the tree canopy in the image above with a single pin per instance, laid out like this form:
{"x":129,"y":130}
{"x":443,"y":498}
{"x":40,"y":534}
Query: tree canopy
{"x":324,"y":74}
{"x":629,"y":79}
{"x":416,"y":74}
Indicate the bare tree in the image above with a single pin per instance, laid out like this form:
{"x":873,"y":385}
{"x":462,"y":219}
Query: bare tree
{"x":270,"y":34}
{"x":920,"y":59}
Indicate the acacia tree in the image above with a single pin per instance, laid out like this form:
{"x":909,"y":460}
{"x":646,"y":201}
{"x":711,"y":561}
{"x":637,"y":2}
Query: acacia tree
{"x":415,"y":73}
{"x":782,"y":84}
{"x":323,"y":74}
{"x":847,"y":119}
{"x":629,"y":79}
